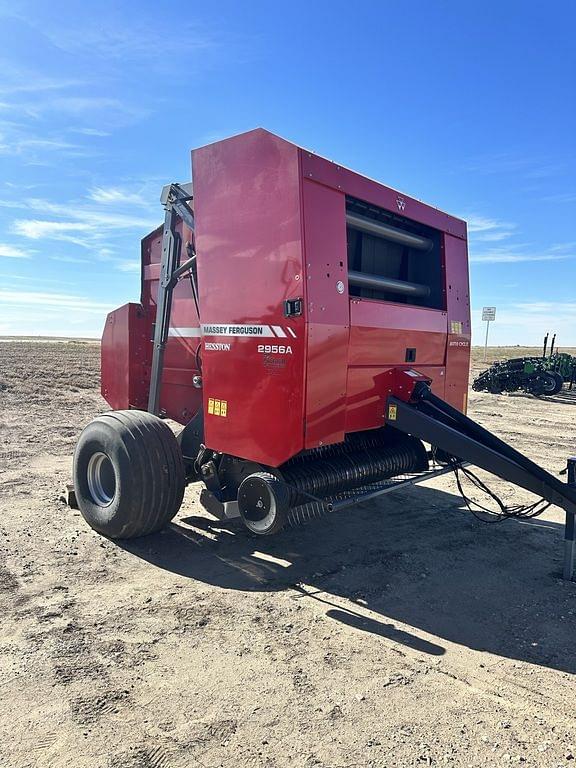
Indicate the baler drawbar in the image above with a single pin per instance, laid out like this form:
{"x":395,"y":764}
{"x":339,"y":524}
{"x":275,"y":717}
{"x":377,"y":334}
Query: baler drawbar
{"x":310,"y":329}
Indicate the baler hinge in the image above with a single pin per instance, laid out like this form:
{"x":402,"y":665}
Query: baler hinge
{"x":175,"y":199}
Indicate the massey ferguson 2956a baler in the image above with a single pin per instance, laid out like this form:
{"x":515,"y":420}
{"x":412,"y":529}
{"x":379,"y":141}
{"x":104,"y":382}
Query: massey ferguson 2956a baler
{"x":310,"y":329}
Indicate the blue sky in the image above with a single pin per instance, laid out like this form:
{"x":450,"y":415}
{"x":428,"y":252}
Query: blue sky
{"x":468,"y":106}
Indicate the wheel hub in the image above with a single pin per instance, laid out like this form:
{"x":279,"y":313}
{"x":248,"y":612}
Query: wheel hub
{"x":255,"y":500}
{"x":101,"y":479}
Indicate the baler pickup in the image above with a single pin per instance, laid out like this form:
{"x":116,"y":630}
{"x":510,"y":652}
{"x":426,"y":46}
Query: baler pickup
{"x":310,"y":330}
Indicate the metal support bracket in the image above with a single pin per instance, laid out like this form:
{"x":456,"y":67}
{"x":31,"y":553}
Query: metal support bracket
{"x":570,"y":528}
{"x":175,"y":198}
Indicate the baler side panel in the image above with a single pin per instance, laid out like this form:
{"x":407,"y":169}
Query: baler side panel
{"x":327,"y":313}
{"x":380,"y":334}
{"x":459,"y":329}
{"x":125,"y":357}
{"x":150,"y":256}
{"x":248,"y":242}
{"x":384,"y":333}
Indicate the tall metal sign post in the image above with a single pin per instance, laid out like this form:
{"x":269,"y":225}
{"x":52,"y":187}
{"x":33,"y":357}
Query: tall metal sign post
{"x":488,"y":314}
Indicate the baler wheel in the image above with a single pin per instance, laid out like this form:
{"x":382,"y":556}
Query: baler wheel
{"x":128,"y":474}
{"x":264,"y":503}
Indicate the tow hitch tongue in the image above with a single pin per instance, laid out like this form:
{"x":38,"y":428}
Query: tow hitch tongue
{"x":418,"y":412}
{"x":428,"y":417}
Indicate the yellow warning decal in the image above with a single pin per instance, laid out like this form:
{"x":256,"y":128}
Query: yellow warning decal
{"x":455,"y":326}
{"x":217,"y":407}
{"x":392,"y":409}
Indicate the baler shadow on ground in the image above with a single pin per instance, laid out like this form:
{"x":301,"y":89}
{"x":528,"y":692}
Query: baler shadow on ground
{"x":416,"y":557}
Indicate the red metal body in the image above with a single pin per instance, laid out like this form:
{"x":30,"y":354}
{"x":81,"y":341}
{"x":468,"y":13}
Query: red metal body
{"x":270,"y":227}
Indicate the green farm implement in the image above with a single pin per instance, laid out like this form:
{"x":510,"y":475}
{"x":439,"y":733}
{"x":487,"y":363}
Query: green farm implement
{"x":536,"y":375}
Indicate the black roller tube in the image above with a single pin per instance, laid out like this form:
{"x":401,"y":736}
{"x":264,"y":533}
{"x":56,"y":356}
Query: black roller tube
{"x":336,"y":473}
{"x":378,"y":229}
{"x":390,"y":284}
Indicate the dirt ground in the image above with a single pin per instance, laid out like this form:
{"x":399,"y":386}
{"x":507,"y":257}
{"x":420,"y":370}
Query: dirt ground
{"x":402,"y":633}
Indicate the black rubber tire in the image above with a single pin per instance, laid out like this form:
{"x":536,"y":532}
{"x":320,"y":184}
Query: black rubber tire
{"x":147,"y":483}
{"x":553,"y":383}
{"x":274,"y":497}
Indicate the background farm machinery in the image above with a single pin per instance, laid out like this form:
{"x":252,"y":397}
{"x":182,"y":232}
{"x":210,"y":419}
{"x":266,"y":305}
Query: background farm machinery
{"x":538,"y":376}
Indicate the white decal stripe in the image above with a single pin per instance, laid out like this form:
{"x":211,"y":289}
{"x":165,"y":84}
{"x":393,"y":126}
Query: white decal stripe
{"x":291,"y":332}
{"x":278,"y":330}
{"x":229,"y":329}
{"x":185,"y":333}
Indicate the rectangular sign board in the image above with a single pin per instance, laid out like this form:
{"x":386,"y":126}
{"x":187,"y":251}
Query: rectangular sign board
{"x":488,"y":313}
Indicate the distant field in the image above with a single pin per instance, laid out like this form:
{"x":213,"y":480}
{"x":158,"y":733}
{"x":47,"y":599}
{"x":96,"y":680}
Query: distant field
{"x":477,"y":362}
{"x":493,"y":353}
{"x":50,"y":339}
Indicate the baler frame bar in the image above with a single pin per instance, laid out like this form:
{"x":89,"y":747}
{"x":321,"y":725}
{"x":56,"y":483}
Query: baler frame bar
{"x":175,"y":198}
{"x":391,"y":485}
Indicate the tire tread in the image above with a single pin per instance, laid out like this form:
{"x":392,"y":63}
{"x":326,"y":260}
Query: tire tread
{"x":158,"y":468}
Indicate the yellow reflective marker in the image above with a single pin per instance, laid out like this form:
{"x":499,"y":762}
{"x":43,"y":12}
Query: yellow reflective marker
{"x":217,"y":407}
